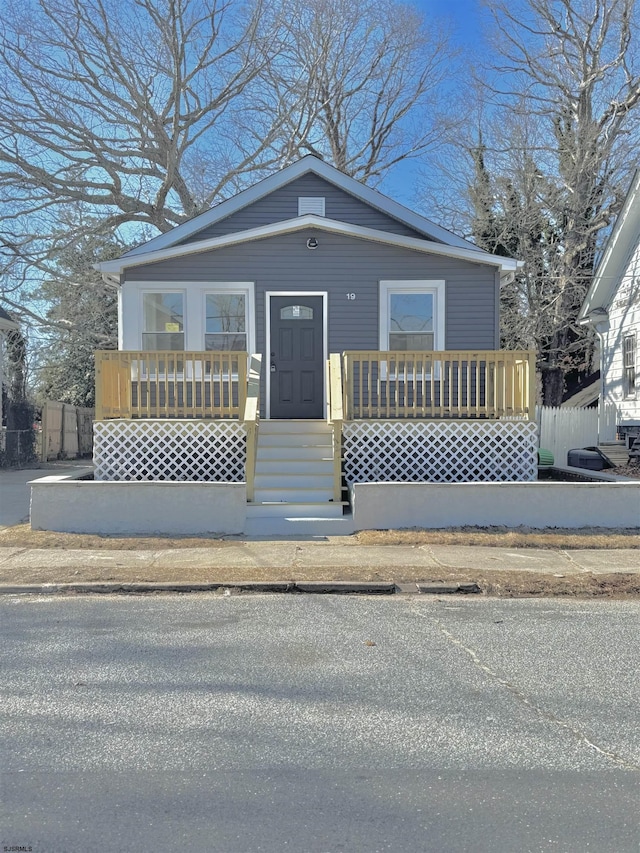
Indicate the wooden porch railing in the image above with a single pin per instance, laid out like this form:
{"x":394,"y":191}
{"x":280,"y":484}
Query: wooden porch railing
{"x":446,"y":384}
{"x":335,"y":416}
{"x":251,"y":419}
{"x":170,"y":384}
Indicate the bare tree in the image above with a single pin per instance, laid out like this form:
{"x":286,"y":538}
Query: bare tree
{"x":362,"y":85}
{"x":142,"y":113}
{"x":130,"y":109}
{"x":510,"y":216}
{"x":570,"y":67}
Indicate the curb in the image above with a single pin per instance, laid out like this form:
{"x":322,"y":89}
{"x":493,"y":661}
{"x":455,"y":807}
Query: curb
{"x":448,"y":589}
{"x":138,"y":588}
{"x":305,"y":587}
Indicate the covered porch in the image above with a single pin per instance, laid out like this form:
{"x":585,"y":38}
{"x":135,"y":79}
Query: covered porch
{"x":367,"y":385}
{"x":389,"y":416}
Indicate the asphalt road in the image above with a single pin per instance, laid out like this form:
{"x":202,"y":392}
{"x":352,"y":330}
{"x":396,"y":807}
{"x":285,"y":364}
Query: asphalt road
{"x":319,"y":723}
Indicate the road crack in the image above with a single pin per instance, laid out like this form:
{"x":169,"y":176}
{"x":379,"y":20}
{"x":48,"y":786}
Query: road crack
{"x":575,"y":563}
{"x":528,"y":702}
{"x":15,"y":552}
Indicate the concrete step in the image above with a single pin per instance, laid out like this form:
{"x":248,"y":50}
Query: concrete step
{"x":289,"y":494}
{"x":294,"y":464}
{"x":294,"y":439}
{"x":301,"y":427}
{"x":299,"y":526}
{"x":305,"y":453}
{"x":285,"y":509}
{"x":294,"y":480}
{"x":309,"y":468}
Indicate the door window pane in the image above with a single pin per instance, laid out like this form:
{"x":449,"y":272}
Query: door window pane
{"x":226,"y":325}
{"x":296,"y":312}
{"x":163,"y":321}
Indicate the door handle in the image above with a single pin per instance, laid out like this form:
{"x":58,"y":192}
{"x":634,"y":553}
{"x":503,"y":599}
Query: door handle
{"x":273,"y":367}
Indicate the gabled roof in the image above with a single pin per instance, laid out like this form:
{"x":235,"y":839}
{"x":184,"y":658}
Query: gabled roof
{"x":114,"y":269}
{"x":304,"y":166}
{"x":6,"y":321}
{"x":615,"y":257}
{"x":587,"y":396}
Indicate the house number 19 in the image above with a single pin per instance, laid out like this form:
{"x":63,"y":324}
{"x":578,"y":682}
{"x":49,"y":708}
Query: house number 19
{"x":351,"y":296}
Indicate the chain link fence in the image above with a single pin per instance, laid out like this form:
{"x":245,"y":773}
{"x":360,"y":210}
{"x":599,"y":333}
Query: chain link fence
{"x":18,"y":447}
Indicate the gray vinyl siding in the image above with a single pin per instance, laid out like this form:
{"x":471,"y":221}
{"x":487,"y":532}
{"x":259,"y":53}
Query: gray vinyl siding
{"x":342,"y":265}
{"x":282,"y":204}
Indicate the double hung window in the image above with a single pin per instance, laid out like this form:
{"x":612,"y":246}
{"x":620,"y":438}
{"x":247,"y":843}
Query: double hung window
{"x":411,"y":321}
{"x":629,"y":365}
{"x":411,"y":316}
{"x":163,"y":321}
{"x":226,"y":321}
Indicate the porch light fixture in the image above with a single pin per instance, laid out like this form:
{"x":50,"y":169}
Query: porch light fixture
{"x":312,"y":243}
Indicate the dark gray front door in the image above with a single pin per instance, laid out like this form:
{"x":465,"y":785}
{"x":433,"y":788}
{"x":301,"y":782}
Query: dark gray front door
{"x":296,"y":359}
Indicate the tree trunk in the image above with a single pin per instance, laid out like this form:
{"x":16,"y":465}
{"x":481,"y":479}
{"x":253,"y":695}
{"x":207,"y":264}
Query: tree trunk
{"x":552,"y":385}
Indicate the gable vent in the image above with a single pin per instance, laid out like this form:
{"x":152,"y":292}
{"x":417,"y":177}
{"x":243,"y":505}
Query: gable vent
{"x":310,"y":204}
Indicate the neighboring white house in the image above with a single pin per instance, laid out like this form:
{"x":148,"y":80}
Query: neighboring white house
{"x":612,"y":307}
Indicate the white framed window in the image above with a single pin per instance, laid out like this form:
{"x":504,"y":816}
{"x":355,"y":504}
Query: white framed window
{"x":163,"y":314}
{"x":629,"y":364}
{"x":229,"y":317}
{"x":412,"y":317}
{"x":225,"y":321}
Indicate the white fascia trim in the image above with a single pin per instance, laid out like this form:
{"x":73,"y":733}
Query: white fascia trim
{"x":303,"y":222}
{"x":616,"y":254}
{"x":282,"y":178}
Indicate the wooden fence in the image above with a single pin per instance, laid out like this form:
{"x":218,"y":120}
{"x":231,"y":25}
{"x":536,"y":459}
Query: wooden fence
{"x":563,"y":429}
{"x":67,"y":431}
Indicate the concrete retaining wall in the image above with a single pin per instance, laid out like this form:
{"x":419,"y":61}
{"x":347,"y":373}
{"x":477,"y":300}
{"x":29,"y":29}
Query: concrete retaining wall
{"x":379,"y":506}
{"x":83,"y":506}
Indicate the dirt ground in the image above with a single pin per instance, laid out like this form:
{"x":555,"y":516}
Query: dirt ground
{"x":21,"y":536}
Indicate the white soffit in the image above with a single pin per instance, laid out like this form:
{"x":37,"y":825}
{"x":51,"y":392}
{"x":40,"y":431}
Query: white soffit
{"x":616,"y":254}
{"x":116,"y":267}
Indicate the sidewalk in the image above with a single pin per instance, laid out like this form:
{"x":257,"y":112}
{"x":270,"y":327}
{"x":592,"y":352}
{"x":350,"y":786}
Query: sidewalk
{"x":264,"y":562}
{"x":260,"y":562}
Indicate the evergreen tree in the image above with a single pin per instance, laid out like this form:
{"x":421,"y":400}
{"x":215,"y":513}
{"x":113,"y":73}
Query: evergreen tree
{"x":83,"y":316}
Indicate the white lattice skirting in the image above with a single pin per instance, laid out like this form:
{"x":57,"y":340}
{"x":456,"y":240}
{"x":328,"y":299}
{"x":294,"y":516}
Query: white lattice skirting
{"x":437,"y":452}
{"x":169,"y":450}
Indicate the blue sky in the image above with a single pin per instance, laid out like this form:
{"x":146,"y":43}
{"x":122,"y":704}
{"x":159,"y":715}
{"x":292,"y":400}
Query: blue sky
{"x":465,"y":18}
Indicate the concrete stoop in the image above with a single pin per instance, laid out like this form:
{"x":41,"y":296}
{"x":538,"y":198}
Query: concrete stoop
{"x":294,"y":482}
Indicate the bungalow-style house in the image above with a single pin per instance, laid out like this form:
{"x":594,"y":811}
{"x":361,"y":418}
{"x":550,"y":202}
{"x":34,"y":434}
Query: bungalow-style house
{"x":612,"y":307}
{"x":305,"y":335}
